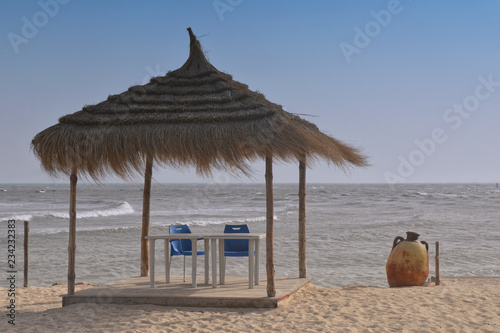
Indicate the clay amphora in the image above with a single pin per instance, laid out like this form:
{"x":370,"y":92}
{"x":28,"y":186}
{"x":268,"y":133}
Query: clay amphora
{"x":408,"y":263}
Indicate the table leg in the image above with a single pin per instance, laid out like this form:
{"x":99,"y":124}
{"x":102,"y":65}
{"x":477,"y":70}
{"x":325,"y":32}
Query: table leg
{"x":251,"y":262}
{"x":152,"y":263}
{"x":194,"y":247}
{"x":167,"y":260}
{"x":207,"y":260}
{"x":222,"y":261}
{"x":214,"y":263}
{"x":257,"y":261}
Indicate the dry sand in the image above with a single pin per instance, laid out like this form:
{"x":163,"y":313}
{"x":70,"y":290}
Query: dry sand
{"x":458,"y":305}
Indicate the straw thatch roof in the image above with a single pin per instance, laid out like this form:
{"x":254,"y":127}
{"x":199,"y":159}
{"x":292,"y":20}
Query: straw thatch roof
{"x":193,"y":116}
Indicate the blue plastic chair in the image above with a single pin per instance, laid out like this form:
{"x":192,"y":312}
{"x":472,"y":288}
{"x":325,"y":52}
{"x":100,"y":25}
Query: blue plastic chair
{"x":181,"y":247}
{"x":234,"y":247}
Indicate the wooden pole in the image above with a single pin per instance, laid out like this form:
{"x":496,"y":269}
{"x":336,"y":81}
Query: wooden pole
{"x":302,"y":218}
{"x":145,"y":217}
{"x":72,"y":233}
{"x":271,"y":289}
{"x":437,"y":264}
{"x":26,"y":248}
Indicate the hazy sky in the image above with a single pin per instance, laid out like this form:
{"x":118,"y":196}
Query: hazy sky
{"x":415,"y":84}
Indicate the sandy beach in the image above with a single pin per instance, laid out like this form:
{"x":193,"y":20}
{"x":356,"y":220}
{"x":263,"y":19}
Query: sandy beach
{"x":457,"y":305}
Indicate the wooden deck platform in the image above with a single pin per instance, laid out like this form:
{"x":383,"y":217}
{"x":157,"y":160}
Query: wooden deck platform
{"x":234,"y":294}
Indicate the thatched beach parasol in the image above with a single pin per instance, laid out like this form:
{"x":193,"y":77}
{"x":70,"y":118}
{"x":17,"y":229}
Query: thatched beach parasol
{"x":193,"y":116}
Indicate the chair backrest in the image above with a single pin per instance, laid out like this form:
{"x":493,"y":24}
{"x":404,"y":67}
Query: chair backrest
{"x":179,"y":245}
{"x":236,"y":245}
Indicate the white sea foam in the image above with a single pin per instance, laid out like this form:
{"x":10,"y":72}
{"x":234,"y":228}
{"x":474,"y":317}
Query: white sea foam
{"x":23,"y":217}
{"x":202,"y":211}
{"x":122,"y":208}
{"x":206,"y":222}
{"x":84,"y":229}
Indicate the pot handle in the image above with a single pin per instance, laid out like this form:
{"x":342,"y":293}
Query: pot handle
{"x":426,"y":245}
{"x":397,"y":240}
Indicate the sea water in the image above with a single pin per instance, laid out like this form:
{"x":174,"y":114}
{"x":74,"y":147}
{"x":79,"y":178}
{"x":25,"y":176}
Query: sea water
{"x":350,"y":227}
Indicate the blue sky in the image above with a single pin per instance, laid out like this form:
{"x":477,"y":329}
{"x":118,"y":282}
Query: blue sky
{"x":414,"y":84}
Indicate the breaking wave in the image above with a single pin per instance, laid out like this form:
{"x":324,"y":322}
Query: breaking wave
{"x":121,"y":208}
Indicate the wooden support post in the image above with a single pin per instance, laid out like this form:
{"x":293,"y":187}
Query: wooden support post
{"x":302,"y":218}
{"x":271,"y":289}
{"x":145,"y":216}
{"x":26,"y":249}
{"x":437,"y":264}
{"x":72,"y":232}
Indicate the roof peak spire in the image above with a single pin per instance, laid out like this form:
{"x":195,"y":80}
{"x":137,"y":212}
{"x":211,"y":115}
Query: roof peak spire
{"x":197,"y":62}
{"x":191,"y":35}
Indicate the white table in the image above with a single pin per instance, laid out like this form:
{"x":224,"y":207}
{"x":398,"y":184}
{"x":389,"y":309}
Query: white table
{"x":194,"y":248}
{"x":253,"y":262}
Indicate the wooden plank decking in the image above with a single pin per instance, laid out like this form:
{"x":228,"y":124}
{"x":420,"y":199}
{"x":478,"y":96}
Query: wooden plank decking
{"x":234,"y":294}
